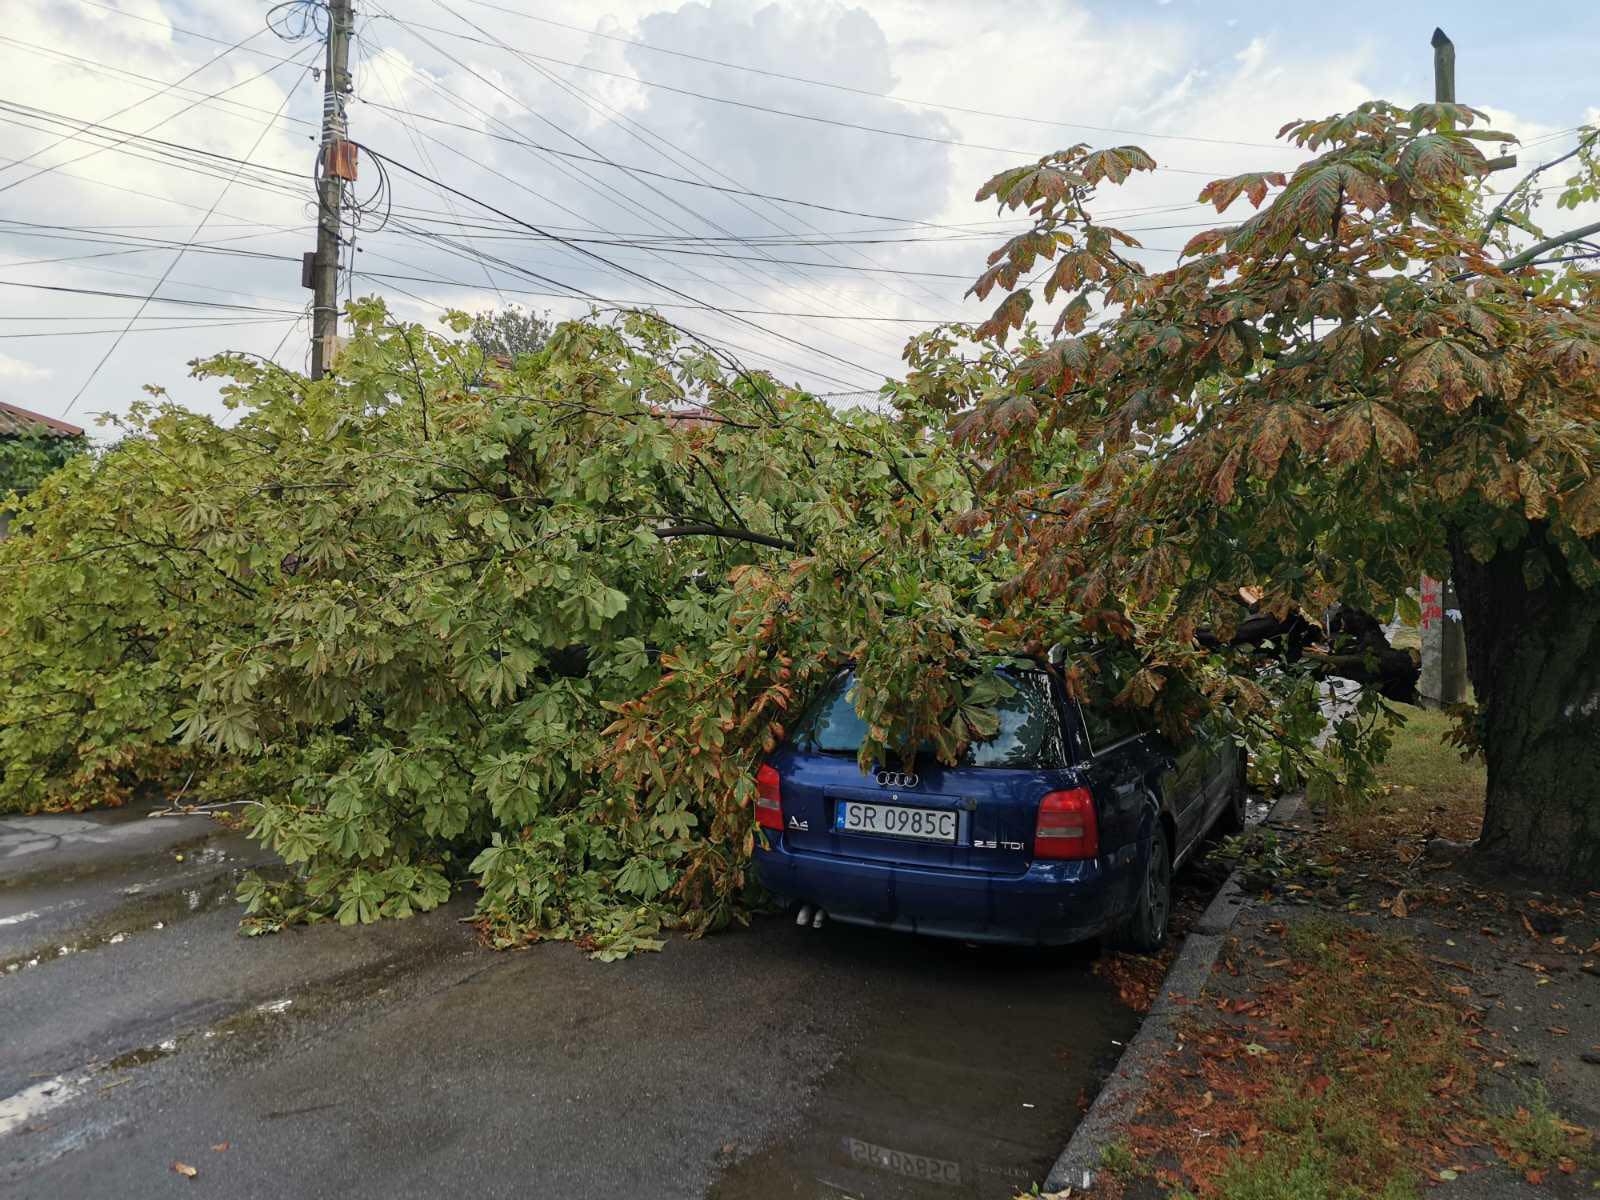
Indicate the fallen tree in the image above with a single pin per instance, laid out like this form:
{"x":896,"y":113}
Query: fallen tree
{"x":438,"y":618}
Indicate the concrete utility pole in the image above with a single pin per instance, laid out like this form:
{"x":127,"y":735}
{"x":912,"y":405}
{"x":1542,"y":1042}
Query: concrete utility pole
{"x":337,"y":159}
{"x":1444,"y":641}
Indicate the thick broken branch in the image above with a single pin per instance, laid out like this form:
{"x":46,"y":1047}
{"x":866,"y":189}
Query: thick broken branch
{"x":723,"y":531}
{"x":1561,"y":239}
{"x":1494,"y":216}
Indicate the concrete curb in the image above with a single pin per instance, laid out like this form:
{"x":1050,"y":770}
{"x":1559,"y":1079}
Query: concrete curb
{"x":1119,"y":1098}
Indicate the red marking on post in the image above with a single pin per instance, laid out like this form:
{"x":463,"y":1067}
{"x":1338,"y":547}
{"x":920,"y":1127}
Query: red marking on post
{"x":1432,"y":602}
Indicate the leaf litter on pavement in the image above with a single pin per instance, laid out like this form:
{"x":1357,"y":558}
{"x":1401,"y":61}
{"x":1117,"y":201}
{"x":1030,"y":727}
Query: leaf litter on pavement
{"x":1356,"y":1038}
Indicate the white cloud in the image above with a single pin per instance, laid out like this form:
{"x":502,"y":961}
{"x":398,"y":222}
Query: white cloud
{"x":18,"y":370}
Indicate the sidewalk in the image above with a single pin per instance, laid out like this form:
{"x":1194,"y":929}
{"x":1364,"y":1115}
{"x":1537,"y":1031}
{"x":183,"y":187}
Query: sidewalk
{"x":1381,"y":1022}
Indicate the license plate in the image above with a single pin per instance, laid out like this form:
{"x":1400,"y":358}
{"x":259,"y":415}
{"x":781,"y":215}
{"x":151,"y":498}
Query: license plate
{"x":895,"y":820}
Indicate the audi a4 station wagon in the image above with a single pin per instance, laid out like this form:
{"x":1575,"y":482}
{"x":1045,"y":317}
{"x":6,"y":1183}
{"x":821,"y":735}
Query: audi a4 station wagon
{"x":1066,"y":825}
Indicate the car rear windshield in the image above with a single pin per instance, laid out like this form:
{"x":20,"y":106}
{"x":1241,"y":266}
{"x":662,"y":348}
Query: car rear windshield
{"x":1029,"y":734}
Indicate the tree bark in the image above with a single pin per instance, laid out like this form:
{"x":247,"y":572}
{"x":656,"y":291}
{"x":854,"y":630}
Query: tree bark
{"x":1533,"y":655}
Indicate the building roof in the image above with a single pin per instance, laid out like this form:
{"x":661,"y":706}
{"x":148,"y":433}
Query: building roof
{"x":20,"y":422}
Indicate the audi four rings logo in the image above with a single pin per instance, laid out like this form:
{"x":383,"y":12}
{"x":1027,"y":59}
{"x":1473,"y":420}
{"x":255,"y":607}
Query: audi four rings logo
{"x":896,"y":779}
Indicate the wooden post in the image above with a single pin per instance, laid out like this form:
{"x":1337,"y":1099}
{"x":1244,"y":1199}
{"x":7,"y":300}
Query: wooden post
{"x":1444,"y":68}
{"x":1444,"y":643}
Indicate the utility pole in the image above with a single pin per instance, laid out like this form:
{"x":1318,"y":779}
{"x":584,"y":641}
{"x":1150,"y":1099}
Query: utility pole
{"x":1444,"y":640}
{"x":337,"y":160}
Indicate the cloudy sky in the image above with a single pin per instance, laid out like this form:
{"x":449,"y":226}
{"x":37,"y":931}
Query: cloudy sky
{"x":808,"y":244}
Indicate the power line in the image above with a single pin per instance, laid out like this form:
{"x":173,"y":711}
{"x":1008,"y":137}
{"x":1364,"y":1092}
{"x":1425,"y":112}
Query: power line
{"x":196,"y":322}
{"x":637,"y":170}
{"x":956,"y":143}
{"x":624,"y":269}
{"x":77,"y":291}
{"x":151,"y":84}
{"x":606,"y":194}
{"x":719,"y":342}
{"x":193,"y":159}
{"x":93,"y":64}
{"x":646,"y":304}
{"x":841,"y":87}
{"x":657,"y":142}
{"x":155,"y":245}
{"x":371,"y":62}
{"x":477,"y":130}
{"x":214,"y":59}
{"x":84,"y":125}
{"x":794,"y":262}
{"x":636,"y":129}
{"x":150,"y":329}
{"x":178,"y":257}
{"x":413,"y":25}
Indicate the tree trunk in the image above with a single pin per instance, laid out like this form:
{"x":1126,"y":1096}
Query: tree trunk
{"x":1533,"y":655}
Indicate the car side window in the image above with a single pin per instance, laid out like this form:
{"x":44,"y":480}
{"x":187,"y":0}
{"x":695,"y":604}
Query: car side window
{"x":1107,"y":725}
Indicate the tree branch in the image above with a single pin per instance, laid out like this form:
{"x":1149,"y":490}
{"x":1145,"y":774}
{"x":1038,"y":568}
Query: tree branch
{"x":1561,"y":239}
{"x":1494,"y":217}
{"x":722,"y":531}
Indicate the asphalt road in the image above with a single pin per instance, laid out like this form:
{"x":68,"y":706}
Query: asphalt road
{"x":138,"y":1029}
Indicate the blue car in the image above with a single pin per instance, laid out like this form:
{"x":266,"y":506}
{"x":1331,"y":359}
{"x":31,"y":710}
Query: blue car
{"x":1065,"y":826}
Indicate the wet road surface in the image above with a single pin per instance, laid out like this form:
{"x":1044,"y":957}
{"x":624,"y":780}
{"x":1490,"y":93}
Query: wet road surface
{"x":139,"y":1029}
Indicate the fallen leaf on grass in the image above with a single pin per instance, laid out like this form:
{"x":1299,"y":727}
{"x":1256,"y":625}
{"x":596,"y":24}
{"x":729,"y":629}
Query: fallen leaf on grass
{"x":1397,"y":906}
{"x":1533,"y":1177}
{"x":184,"y":1169}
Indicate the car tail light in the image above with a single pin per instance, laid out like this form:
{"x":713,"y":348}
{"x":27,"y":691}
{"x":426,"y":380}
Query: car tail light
{"x":769,"y":798}
{"x":1067,"y":827}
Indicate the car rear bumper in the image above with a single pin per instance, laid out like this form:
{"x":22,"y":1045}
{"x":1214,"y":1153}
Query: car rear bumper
{"x":1051,"y":903}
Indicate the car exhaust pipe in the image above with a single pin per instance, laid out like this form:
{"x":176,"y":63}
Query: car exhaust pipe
{"x":818,"y":917}
{"x":803,"y":918}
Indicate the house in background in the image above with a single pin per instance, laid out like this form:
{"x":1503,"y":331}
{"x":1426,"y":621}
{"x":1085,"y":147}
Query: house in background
{"x":31,"y":446}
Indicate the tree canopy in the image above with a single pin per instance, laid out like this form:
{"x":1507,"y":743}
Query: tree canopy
{"x":1371,"y":377}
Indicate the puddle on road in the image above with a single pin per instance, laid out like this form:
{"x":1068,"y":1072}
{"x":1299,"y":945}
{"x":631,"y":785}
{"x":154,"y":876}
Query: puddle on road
{"x":960,"y":1079}
{"x":150,"y":912}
